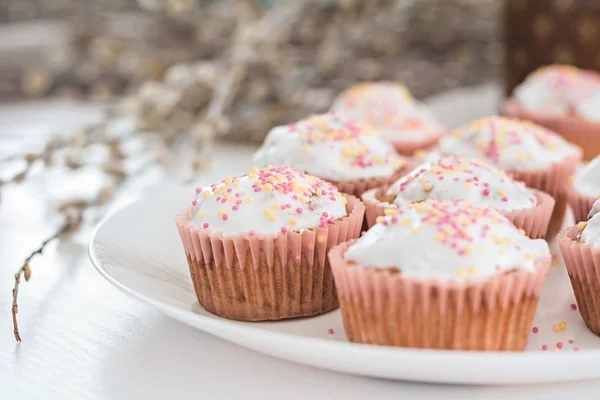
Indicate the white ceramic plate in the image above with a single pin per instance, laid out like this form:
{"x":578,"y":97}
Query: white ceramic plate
{"x":138,"y":250}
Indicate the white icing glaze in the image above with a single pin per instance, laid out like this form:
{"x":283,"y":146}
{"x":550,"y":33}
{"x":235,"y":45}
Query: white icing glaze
{"x":587,"y":179}
{"x":452,"y":178}
{"x":330,"y":147}
{"x":508,"y":144}
{"x":391,"y":109}
{"x":590,"y":107}
{"x":559,"y":90}
{"x":266,"y":201}
{"x":591,"y":233}
{"x":447,"y":240}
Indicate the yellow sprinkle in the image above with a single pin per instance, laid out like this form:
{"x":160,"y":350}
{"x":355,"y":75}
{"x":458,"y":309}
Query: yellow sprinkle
{"x":405,"y":221}
{"x":255,"y":170}
{"x":528,"y":256}
{"x":307,"y":149}
{"x":232,"y":199}
{"x":200,"y":214}
{"x":471,"y":270}
{"x":440,"y":237}
{"x":321,"y":239}
{"x":556,"y":327}
{"x":379,"y":219}
{"x":522,"y":231}
{"x":344,"y":200}
{"x":272,"y":218}
{"x":319,"y":192}
{"x":415,"y":230}
{"x":599,"y":196}
{"x":562,"y":325}
{"x":222,"y":212}
{"x":468,"y":185}
{"x":205,"y":194}
{"x":581,"y":226}
{"x":276,"y":206}
{"x":228,"y":179}
{"x":267,"y":211}
{"x":468,"y":251}
{"x":390,"y":211}
{"x":459,"y":272}
{"x":502,"y":193}
{"x":427,"y":186}
{"x":292,"y":221}
{"x":249,"y":200}
{"x":268,"y":187}
{"x":421,"y":180}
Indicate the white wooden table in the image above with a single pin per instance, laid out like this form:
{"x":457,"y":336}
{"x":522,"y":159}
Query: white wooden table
{"x":84,"y":339}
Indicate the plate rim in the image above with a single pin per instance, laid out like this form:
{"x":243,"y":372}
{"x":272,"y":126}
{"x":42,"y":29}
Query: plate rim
{"x":213,"y":325}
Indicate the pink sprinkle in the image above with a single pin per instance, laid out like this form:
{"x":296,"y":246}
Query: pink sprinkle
{"x":573,"y":306}
{"x":283,"y":230}
{"x":456,"y":179}
{"x":331,"y":221}
{"x":441,"y":178}
{"x":299,"y":210}
{"x":544,"y":347}
{"x":257,"y":189}
{"x":394,"y":219}
{"x":486,"y":192}
{"x":238,"y":202}
{"x":251,"y":233}
{"x":205,"y":225}
{"x":504,"y":198}
{"x":238,"y":194}
{"x":330,"y":331}
{"x":235,"y":208}
{"x":198,"y":190}
{"x":218,"y":198}
{"x":325,"y":214}
{"x":575,"y":348}
{"x":571,"y":341}
{"x":559,"y":345}
{"x":535,"y":329}
{"x":311,"y":208}
{"x":225,"y":217}
{"x":223,"y":200}
{"x":194,"y":203}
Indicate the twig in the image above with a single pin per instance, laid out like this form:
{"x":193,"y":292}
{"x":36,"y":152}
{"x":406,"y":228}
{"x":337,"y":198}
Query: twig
{"x":25,"y":270}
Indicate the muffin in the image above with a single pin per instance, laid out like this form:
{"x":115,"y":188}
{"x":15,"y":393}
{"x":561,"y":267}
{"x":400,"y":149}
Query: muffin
{"x":453,"y":178}
{"x":390,"y":108}
{"x":346,"y":153}
{"x":528,"y":152}
{"x":256,"y":244}
{"x":441,"y":275}
{"x":564,"y":99}
{"x":585,"y":189}
{"x":580,"y":247}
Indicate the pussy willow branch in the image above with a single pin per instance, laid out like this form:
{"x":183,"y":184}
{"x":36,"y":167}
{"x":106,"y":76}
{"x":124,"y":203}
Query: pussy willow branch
{"x":73,"y":212}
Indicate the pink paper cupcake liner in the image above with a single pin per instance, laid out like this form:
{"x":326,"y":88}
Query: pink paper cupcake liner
{"x":583,"y":266}
{"x":381,"y":307}
{"x":408,"y":148}
{"x":358,"y":187}
{"x":266,"y":277}
{"x":554,"y":180}
{"x":577,"y":130}
{"x":581,"y":204}
{"x":534,"y":220}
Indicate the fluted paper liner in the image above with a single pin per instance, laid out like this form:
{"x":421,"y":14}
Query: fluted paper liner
{"x":266,"y":277}
{"x":409,"y":147}
{"x":583,"y":266}
{"x":533,"y":220}
{"x":575,"y":129}
{"x":581,"y":204}
{"x":554,"y":180}
{"x":359,"y":186}
{"x":381,"y":307}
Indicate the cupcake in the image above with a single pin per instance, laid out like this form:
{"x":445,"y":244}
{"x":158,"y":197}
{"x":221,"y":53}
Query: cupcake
{"x":580,"y":247}
{"x":346,"y":153}
{"x":585,"y":189}
{"x":453,"y":178}
{"x":528,"y":152}
{"x":564,"y":99}
{"x":390,"y":108}
{"x":441,"y":275}
{"x":256,"y":244}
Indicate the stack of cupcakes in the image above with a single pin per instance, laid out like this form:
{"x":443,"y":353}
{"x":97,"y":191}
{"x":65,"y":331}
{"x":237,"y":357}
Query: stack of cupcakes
{"x":391,"y":109}
{"x":453,"y":178}
{"x":344,"y":152}
{"x":530,"y":153}
{"x":563,"y":99}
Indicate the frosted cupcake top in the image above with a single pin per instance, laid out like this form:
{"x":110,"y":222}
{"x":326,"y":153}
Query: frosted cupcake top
{"x":389,"y":107}
{"x":587,"y":179}
{"x":445,"y":240}
{"x":560,"y":90}
{"x":590,"y":230}
{"x":330,"y":147}
{"x":452,"y":178}
{"x":508,"y":144}
{"x":266,"y":201}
